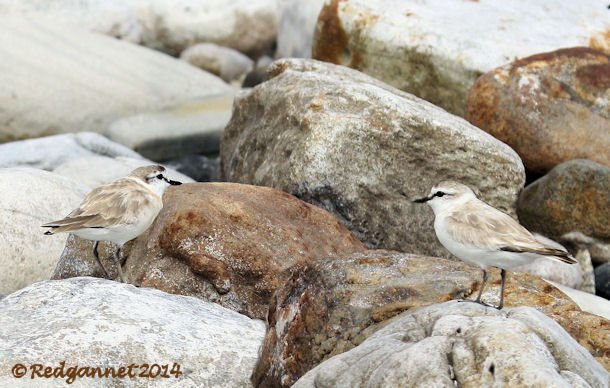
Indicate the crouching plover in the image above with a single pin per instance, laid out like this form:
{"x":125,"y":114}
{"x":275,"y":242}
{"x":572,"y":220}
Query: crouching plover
{"x":118,"y":211}
{"x":482,"y":235}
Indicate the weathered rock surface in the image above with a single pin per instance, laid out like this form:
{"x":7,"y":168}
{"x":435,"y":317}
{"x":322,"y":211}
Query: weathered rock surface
{"x":249,"y":26}
{"x":602,"y":281}
{"x":586,"y":301}
{"x":330,"y":306}
{"x":227,"y":63}
{"x":190,"y":128}
{"x":85,"y":89}
{"x":296,"y":27}
{"x":572,"y":197}
{"x":223,"y":242}
{"x":48,"y":152}
{"x":95,"y":171}
{"x":29,"y":198}
{"x":463,"y":344}
{"x":550,"y":107}
{"x":363,"y":150}
{"x":97,"y":323}
{"x":430,"y":49}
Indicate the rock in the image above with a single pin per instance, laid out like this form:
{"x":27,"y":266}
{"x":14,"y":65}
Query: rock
{"x":84,"y":89}
{"x":167,"y":25}
{"x":227,"y":63}
{"x":296,"y":27}
{"x":49,"y":152}
{"x":223,"y":242}
{"x":109,"y":17}
{"x":258,"y":75}
{"x":597,"y":249}
{"x":463,"y":344}
{"x":29,"y":198}
{"x":95,"y":171}
{"x":572,"y":197}
{"x":586,"y":301}
{"x":198,"y":167}
{"x":602,"y":281}
{"x":97,"y":323}
{"x":363,"y":150}
{"x":331,"y":306}
{"x":427,"y":48}
{"x":191,"y":128}
{"x":550,"y":107}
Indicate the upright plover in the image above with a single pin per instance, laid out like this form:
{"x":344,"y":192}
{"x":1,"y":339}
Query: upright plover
{"x":484,"y":236}
{"x":118,"y":211}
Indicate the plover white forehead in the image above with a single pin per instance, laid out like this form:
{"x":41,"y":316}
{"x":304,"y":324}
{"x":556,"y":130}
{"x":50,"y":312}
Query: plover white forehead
{"x":480,"y":234}
{"x":118,"y":211}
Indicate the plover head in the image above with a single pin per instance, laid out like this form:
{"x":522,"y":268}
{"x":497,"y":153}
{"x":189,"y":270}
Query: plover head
{"x":155,"y":177}
{"x":447,"y":194}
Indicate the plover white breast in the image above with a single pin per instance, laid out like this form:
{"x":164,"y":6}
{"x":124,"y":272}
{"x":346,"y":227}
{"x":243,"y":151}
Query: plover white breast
{"x":118,"y":211}
{"x":480,"y":234}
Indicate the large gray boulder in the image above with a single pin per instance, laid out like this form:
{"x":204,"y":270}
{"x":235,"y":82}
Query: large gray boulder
{"x":463,"y":344}
{"x":60,"y":79}
{"x":28,"y":199}
{"x":437,"y":49}
{"x":363,"y":150}
{"x":99,"y":323}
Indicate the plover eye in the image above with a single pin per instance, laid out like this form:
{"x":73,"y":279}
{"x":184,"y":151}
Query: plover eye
{"x":439,"y":194}
{"x":160,"y":176}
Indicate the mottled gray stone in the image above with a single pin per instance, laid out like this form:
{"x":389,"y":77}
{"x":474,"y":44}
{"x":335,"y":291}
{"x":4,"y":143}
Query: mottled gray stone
{"x":99,"y":323}
{"x":363,"y":150}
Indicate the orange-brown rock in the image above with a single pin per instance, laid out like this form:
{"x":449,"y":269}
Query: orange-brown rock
{"x":549,"y":107}
{"x":330,"y":306}
{"x":228,"y":243}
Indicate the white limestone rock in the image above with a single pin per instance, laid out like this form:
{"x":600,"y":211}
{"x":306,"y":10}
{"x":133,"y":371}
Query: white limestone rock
{"x":94,"y":171}
{"x":48,"y":152}
{"x":29,"y":198}
{"x":296,"y":27}
{"x":437,"y":49}
{"x":249,"y":26}
{"x":190,"y":128}
{"x":60,"y":79}
{"x":225,"y":62}
{"x":100,"y":323}
{"x":463,"y":344}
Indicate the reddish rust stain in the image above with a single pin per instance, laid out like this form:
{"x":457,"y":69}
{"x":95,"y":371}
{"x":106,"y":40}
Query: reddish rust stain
{"x":595,"y":76}
{"x":601,"y":41}
{"x":577,"y":52}
{"x":331,"y":38}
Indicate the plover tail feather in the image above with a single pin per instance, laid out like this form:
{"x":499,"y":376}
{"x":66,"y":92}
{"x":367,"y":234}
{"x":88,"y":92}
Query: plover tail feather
{"x":69,"y":224}
{"x":551,"y":253}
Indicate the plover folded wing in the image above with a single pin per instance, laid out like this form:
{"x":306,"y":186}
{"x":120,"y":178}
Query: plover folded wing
{"x":118,"y":211}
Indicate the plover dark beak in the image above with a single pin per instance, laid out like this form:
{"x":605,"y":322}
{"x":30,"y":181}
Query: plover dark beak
{"x":422,"y":200}
{"x":173,"y":183}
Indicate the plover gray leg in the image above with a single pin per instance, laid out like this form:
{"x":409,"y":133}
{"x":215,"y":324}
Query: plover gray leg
{"x":503,"y":272}
{"x":117,"y":261}
{"x":97,"y":257}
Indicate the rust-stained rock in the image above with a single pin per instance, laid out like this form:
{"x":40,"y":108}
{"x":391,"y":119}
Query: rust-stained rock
{"x":436,"y":50}
{"x":228,"y":243}
{"x":572,"y":197}
{"x":550,"y":107}
{"x":331,"y":306}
